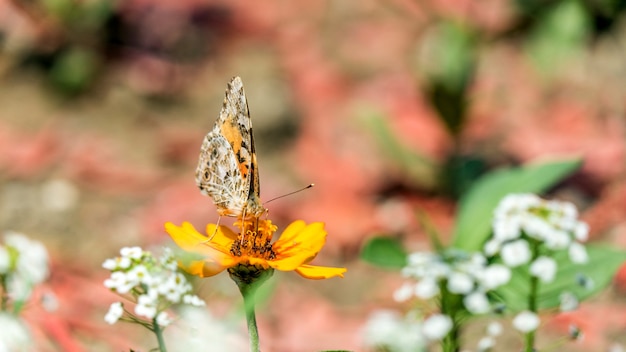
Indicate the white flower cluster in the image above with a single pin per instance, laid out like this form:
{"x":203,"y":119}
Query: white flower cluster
{"x":154,"y":284}
{"x":487,"y":343}
{"x":467,"y":275}
{"x":390,"y":331}
{"x":14,"y":335}
{"x":23,"y":264}
{"x":525,"y":220}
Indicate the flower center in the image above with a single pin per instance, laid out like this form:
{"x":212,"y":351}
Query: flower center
{"x":254,"y":239}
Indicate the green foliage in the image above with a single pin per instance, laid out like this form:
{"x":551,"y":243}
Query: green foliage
{"x":473,"y":224}
{"x":420,"y":171}
{"x":385,"y":252}
{"x":450,"y":66}
{"x":74,"y":70}
{"x":460,"y":172}
{"x":603,"y":263}
{"x":560,"y":34}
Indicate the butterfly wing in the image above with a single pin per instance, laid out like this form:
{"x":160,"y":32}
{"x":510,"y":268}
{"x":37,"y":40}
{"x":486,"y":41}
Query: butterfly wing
{"x":227,"y":170}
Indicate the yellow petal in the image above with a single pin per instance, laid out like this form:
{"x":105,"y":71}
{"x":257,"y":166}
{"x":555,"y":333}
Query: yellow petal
{"x":221,"y":238}
{"x":203,"y":269}
{"x":319,"y":272}
{"x":190,"y":240}
{"x":187,"y":238}
{"x":301,"y":240}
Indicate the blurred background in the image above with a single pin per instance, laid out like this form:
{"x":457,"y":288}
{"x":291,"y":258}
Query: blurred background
{"x":389,"y":107}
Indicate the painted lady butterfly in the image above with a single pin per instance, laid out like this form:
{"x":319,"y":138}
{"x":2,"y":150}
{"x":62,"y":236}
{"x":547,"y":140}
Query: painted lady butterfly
{"x":227,"y":170}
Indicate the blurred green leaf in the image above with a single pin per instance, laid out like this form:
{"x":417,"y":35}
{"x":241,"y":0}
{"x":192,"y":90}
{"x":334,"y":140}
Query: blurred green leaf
{"x":74,"y":70}
{"x":385,"y":252}
{"x":559,"y":35}
{"x":454,"y":52}
{"x":450,"y":62}
{"x":420,"y":171}
{"x":601,"y":268}
{"x":94,"y":14}
{"x":460,"y":172}
{"x":61,"y":9}
{"x":473,"y":224}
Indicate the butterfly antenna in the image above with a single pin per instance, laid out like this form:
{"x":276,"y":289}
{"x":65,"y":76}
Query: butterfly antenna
{"x":290,"y":193}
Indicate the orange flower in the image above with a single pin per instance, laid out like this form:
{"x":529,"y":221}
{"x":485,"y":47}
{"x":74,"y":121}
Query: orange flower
{"x":223,"y":249}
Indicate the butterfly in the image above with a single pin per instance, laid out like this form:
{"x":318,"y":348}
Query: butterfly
{"x":227,"y":168}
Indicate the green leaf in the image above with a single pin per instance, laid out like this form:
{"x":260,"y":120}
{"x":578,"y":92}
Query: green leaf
{"x":476,"y":207}
{"x":386,"y":252}
{"x":559,"y":36}
{"x":74,"y":70}
{"x":420,"y":171}
{"x":449,"y":62}
{"x":603,"y":263}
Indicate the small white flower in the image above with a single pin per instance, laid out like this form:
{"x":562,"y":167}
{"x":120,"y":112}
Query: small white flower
{"x":569,"y":210}
{"x":492,"y":247}
{"x":486,"y":344}
{"x":404,"y":293}
{"x":436,"y":327}
{"x":526,"y":321}
{"x":110,"y":264}
{"x":494,"y":329}
{"x":569,"y":302}
{"x":124,"y":262}
{"x":437,"y":270}
{"x":193,"y":300}
{"x":115,"y":280}
{"x":116,"y":310}
{"x":477,"y":303}
{"x":5,"y":260}
{"x":544,"y":268}
{"x":494,"y":276}
{"x":581,"y":232}
{"x":163,"y":319}
{"x":427,"y":288}
{"x":388,"y":329}
{"x":32,"y":258}
{"x":14,"y":335}
{"x":132,"y":252}
{"x":578,"y":253}
{"x":119,"y":282}
{"x":421,"y":258}
{"x":138,"y":274}
{"x":536,"y":227}
{"x":146,"y":307}
{"x":558,"y":240}
{"x":460,"y":283}
{"x":19,"y":288}
{"x":506,"y":229}
{"x":515,"y":253}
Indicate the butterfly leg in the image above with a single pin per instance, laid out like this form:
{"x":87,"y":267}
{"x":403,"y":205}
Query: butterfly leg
{"x":217,"y":226}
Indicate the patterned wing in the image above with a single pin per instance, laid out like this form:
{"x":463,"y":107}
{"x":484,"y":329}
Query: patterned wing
{"x":227,"y":170}
{"x":218,"y":175}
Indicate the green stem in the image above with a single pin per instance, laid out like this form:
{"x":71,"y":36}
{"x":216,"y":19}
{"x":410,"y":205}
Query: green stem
{"x":248,"y":279}
{"x":532,"y":299}
{"x":5,"y":294}
{"x":253,"y":332}
{"x":449,"y":307}
{"x":158,"y":331}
